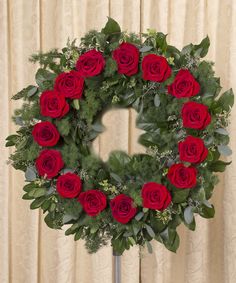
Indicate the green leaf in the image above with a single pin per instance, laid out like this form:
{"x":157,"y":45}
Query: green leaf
{"x":180,"y":195}
{"x":207,"y":210}
{"x":52,"y":222}
{"x":157,"y":100}
{"x":37,"y":192}
{"x":161,"y":41}
{"x":45,"y":79}
{"x":170,"y":239}
{"x":188,"y":214}
{"x":202,"y":48}
{"x":25,"y":92}
{"x":175,"y":244}
{"x":226,"y":100}
{"x":32,"y":91}
{"x":111,"y":27}
{"x":78,"y":234}
{"x":72,"y":229}
{"x":37,"y":203}
{"x":218,"y":166}
{"x":27,"y":197}
{"x":224,"y":150}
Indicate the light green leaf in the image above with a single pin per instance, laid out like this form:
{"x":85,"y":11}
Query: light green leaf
{"x":76,"y":104}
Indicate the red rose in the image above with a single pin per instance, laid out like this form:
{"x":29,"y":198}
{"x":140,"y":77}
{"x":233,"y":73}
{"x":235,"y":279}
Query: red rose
{"x":155,"y":196}
{"x":155,"y":68}
{"x":93,"y":202}
{"x":122,"y":208}
{"x":45,"y":134}
{"x":182,"y":177}
{"x":192,"y":150}
{"x":90,"y":64}
{"x":49,"y":163}
{"x":127,"y":59}
{"x":69,"y":185}
{"x":53,"y":104}
{"x":70,"y":84}
{"x":195,"y":115}
{"x":184,"y":85}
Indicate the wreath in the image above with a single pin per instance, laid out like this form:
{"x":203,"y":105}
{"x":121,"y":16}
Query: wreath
{"x":134,"y":199}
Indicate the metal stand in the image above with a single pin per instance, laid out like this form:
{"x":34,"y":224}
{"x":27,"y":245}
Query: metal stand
{"x":117,"y":267}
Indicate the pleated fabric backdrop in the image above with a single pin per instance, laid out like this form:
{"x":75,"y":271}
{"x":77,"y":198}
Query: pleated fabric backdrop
{"x":29,"y":251}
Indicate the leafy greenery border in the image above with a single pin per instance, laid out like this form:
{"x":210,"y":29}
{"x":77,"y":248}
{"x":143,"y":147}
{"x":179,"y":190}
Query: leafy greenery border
{"x":158,"y":116}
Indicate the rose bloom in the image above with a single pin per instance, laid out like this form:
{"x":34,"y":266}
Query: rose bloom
{"x":93,"y":201}
{"x":155,"y":196}
{"x":53,"y":104}
{"x":184,"y":85}
{"x":127,"y":58}
{"x":49,"y":163}
{"x":90,"y":64}
{"x":70,"y":84}
{"x":122,"y":208}
{"x":192,"y":150}
{"x":182,"y":177}
{"x":69,"y":185}
{"x":45,"y":134}
{"x":155,"y":68}
{"x":195,"y":115}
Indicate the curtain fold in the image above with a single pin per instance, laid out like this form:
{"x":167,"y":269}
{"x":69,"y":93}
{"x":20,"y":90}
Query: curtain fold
{"x":30,"y":252}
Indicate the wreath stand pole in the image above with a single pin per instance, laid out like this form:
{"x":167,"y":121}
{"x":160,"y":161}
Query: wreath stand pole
{"x":117,"y":267}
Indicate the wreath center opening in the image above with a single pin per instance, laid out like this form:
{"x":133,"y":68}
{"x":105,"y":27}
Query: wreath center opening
{"x":119,"y":133}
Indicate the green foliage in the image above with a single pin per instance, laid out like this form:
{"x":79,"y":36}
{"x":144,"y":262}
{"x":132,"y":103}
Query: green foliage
{"x":158,"y":116}
{"x":70,"y":155}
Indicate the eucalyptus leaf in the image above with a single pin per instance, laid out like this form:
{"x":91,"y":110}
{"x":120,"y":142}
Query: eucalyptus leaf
{"x":224,"y":150}
{"x":30,"y":174}
{"x":150,"y":231}
{"x":144,"y":49}
{"x":157,"y":100}
{"x":222,"y":131}
{"x":139,"y":216}
{"x":188,"y":214}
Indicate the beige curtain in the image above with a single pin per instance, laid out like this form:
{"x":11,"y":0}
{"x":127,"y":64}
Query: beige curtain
{"x":29,"y":251}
